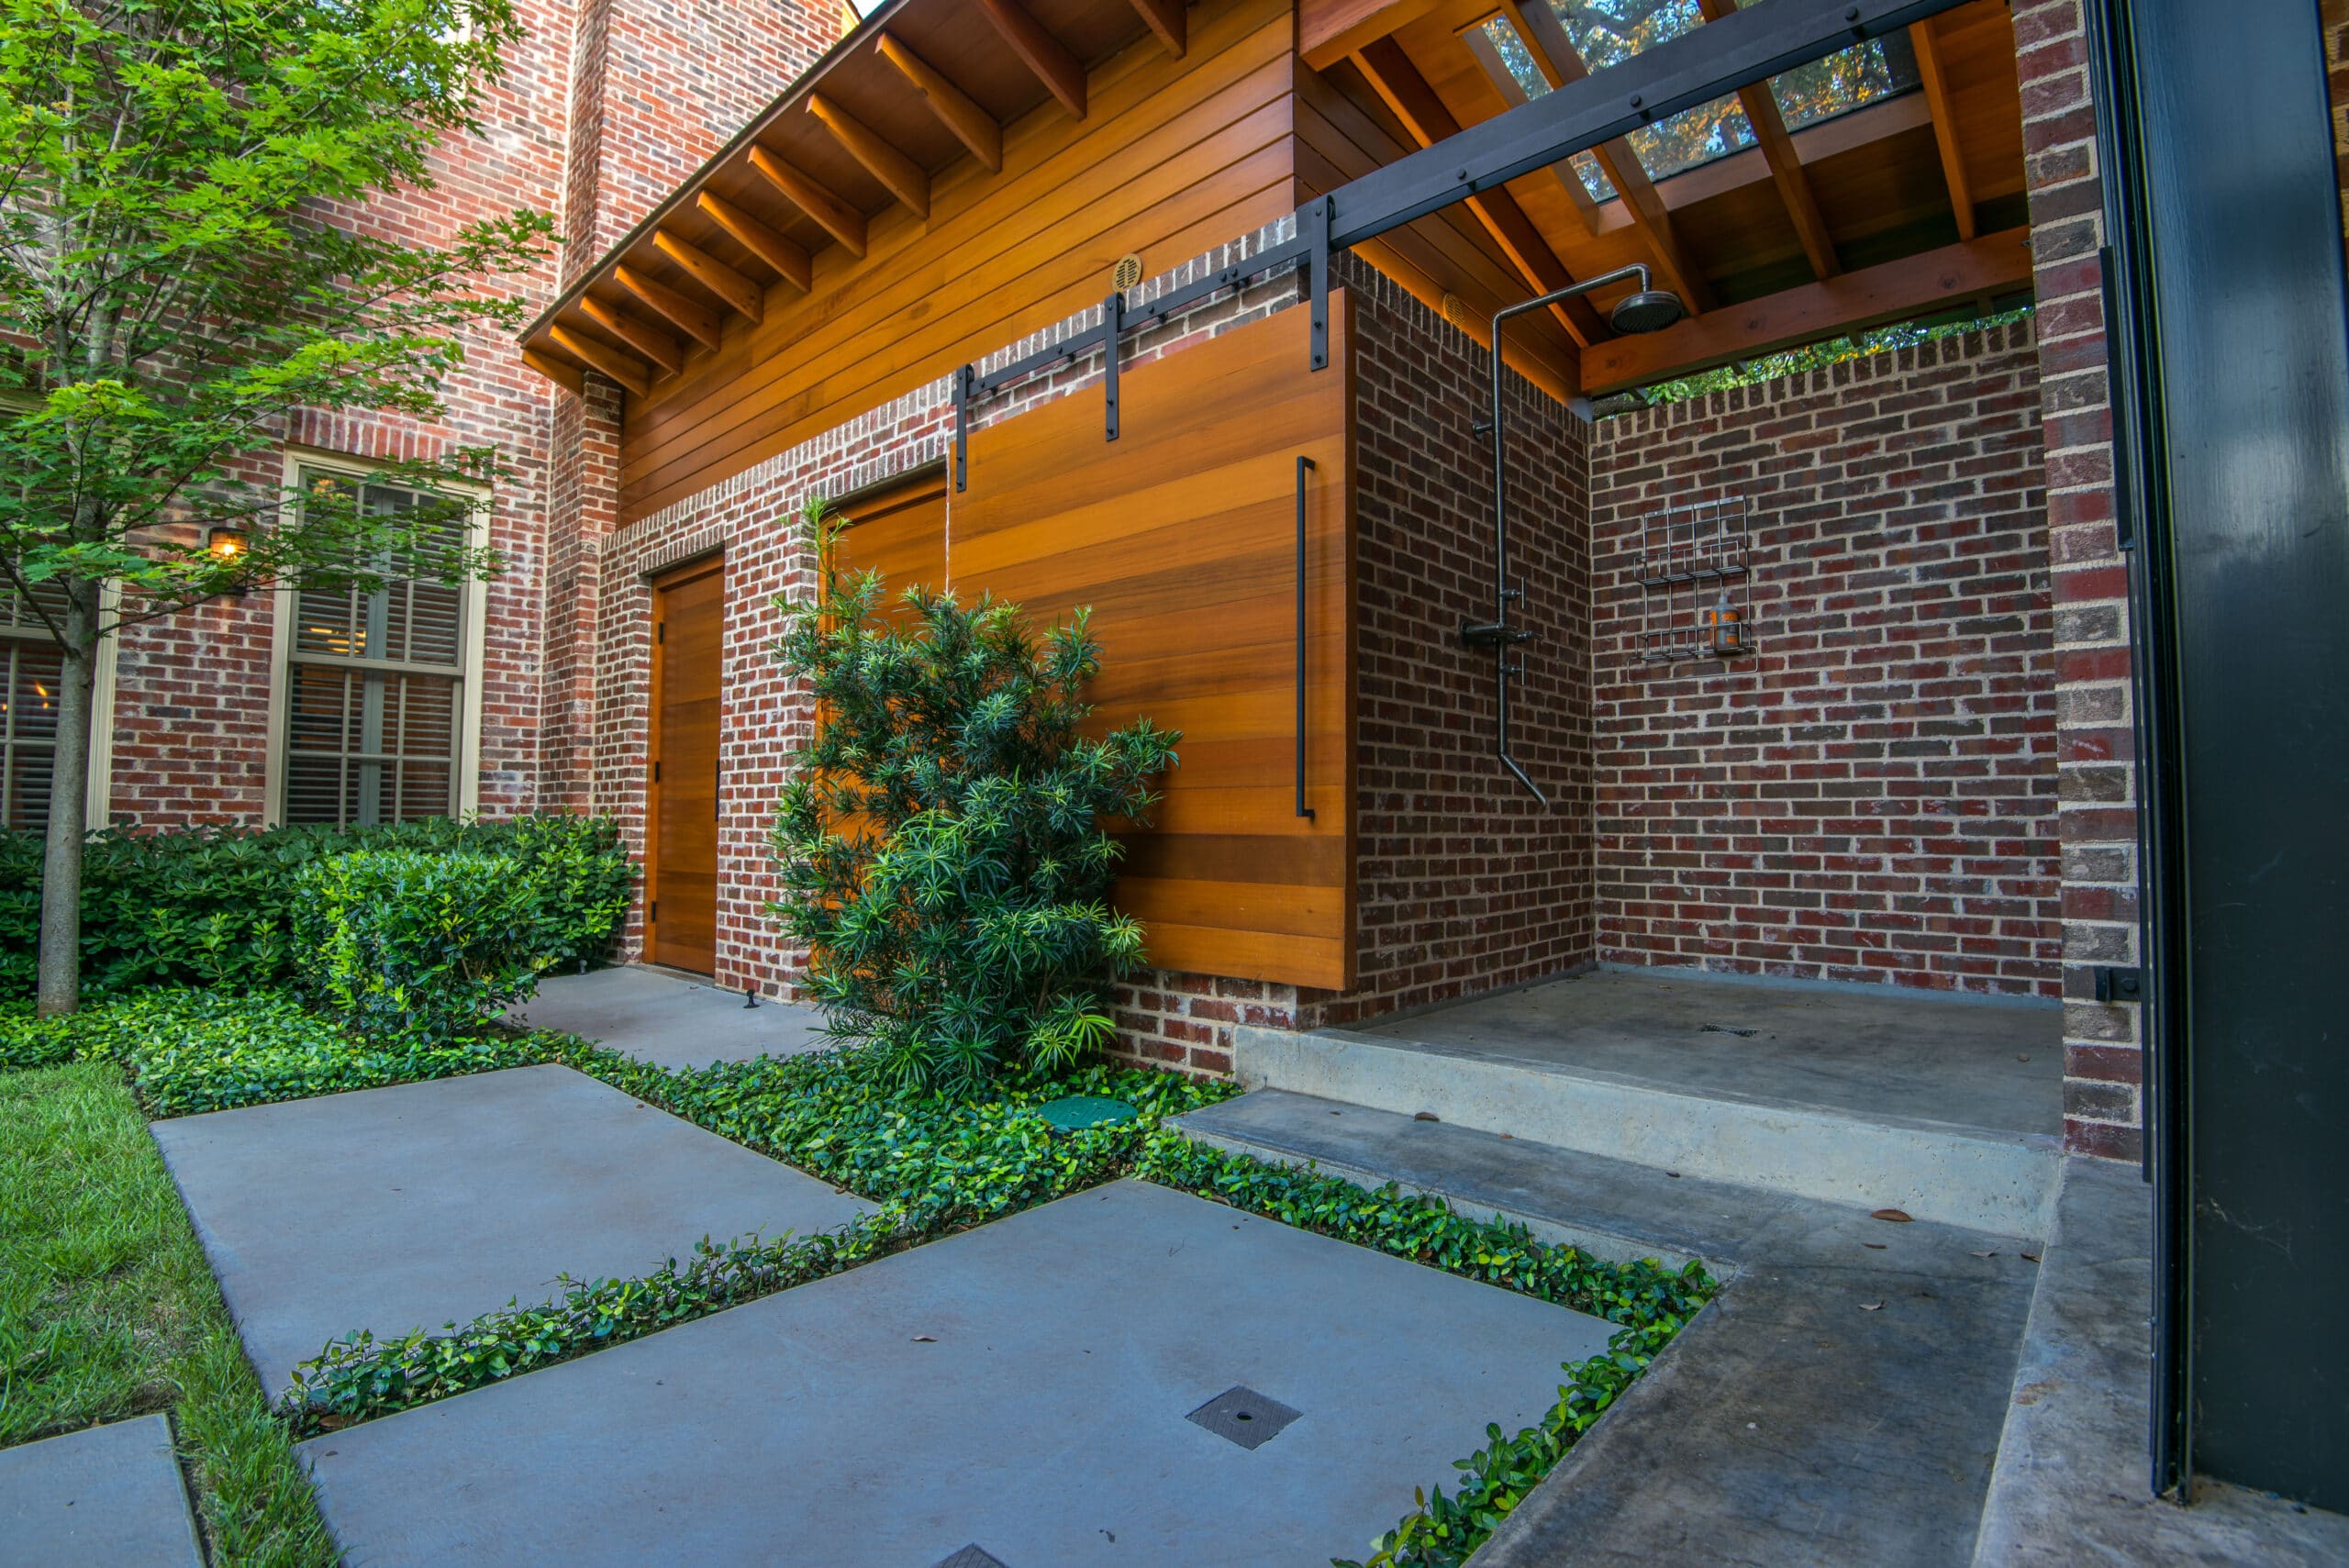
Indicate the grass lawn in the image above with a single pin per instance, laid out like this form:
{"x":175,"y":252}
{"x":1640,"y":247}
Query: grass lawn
{"x":107,"y":1310}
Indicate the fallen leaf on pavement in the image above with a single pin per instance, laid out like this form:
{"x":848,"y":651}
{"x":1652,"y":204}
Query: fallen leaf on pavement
{"x":1871,"y":1306}
{"x":1898,"y":1216}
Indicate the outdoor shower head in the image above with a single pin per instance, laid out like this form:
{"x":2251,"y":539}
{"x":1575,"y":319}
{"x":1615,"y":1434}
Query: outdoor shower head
{"x":1647,"y":310}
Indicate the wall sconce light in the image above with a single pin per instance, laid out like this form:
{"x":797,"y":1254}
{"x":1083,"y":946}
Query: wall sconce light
{"x":226,"y":542}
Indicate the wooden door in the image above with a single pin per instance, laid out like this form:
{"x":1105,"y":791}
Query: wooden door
{"x":682,"y":804}
{"x":1182,"y":537}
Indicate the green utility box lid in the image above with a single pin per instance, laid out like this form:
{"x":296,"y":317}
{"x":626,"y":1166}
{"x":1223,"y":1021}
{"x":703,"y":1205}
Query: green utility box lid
{"x":1073,"y":1111}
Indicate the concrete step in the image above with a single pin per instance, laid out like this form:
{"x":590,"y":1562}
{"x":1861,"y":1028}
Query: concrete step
{"x":1979,"y":1178}
{"x":1840,"y":1402}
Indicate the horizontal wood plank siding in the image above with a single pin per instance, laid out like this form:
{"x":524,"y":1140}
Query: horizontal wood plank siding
{"x":1174,"y":156}
{"x":1181,"y":537}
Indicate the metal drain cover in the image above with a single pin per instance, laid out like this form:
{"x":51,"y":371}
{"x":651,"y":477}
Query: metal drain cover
{"x":1245,"y":1416}
{"x":973,"y":1556}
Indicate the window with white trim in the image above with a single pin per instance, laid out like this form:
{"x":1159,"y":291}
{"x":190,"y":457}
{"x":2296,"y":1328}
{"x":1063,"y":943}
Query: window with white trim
{"x":379,"y":690}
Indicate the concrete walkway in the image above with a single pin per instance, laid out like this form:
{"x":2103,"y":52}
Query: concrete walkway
{"x":1028,"y":1388}
{"x":411,"y":1207}
{"x":2071,"y":1484}
{"x":107,"y":1495}
{"x":667,"y":1019}
{"x":1901,"y":1395}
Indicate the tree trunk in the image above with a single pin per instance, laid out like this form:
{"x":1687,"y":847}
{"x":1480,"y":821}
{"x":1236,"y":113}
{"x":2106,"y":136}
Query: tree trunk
{"x":68,"y":792}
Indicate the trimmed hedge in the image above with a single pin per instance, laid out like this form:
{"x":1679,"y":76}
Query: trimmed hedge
{"x":214,"y":906}
{"x":409,"y":945}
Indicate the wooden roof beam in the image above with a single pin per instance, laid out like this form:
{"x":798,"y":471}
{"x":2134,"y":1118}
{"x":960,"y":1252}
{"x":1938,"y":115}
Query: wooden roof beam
{"x":1989,"y":265}
{"x":1062,"y":72}
{"x":688,"y":315}
{"x":1786,"y":172}
{"x":562,"y":373}
{"x":653,"y":343}
{"x":630,"y":373}
{"x":837,"y":217}
{"x":1398,"y":83}
{"x":713,"y":275}
{"x":1166,"y":18}
{"x":788,"y":260}
{"x":957,"y":110}
{"x":1561,"y":62}
{"x":1936,"y":84}
{"x":1330,"y":30}
{"x":900,"y":175}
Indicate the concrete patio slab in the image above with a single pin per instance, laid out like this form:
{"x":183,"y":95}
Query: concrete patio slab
{"x":406,"y":1208}
{"x":110,"y":1495}
{"x":1993,"y":1064}
{"x":668,"y":1019}
{"x":1024,"y":1388}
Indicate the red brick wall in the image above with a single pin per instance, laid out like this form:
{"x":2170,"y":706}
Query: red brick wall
{"x":2103,"y":1055}
{"x":191,"y":693}
{"x":1871,"y":796}
{"x":602,"y":109}
{"x":1464,"y":881}
{"x":660,"y":85}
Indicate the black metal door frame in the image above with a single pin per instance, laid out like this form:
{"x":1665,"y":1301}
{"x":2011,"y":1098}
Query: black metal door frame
{"x":2228,"y":318}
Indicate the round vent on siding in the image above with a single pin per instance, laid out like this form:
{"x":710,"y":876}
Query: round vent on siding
{"x":1455,"y":310}
{"x":1127,"y":274}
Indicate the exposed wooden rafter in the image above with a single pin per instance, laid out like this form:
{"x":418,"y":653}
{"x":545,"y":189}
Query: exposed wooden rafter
{"x":690,"y":316}
{"x":1972,"y":269}
{"x":1496,"y":71}
{"x":630,"y":372}
{"x":837,"y":217}
{"x":650,"y":341}
{"x":1062,"y":72}
{"x":1397,"y":82}
{"x":1330,"y":30}
{"x":561,"y":372}
{"x":1785,"y":164}
{"x":787,"y":258}
{"x":1165,"y":17}
{"x":900,"y":175}
{"x":1561,"y":62}
{"x":957,"y":110}
{"x":1935,"y":82}
{"x":739,"y":292}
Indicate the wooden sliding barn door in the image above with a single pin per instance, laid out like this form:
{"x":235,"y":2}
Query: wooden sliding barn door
{"x":681,"y":807}
{"x":1183,"y":534}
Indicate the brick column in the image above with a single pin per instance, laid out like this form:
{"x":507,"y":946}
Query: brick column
{"x":2103,"y":1043}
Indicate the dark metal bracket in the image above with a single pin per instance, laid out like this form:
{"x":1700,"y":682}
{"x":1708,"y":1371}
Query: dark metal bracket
{"x":1310,"y":251}
{"x":2119,"y":983}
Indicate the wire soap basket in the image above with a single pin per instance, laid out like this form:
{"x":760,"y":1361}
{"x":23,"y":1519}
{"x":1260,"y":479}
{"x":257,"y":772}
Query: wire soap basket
{"x":1695,"y":575}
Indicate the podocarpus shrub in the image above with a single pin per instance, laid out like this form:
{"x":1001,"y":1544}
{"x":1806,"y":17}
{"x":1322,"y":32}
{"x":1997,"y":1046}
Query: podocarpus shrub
{"x":940,"y":839}
{"x":409,"y":945}
{"x":214,"y":906}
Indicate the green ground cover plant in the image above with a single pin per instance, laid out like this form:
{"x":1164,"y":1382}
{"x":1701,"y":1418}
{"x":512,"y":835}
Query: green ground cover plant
{"x":215,"y":905}
{"x":108,"y":1310}
{"x":941,"y":841}
{"x":934,"y":1164}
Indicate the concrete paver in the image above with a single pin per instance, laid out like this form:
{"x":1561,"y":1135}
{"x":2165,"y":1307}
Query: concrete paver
{"x":411,"y":1207}
{"x":1024,"y":1388}
{"x":110,"y":1495}
{"x":667,"y":1019}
